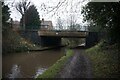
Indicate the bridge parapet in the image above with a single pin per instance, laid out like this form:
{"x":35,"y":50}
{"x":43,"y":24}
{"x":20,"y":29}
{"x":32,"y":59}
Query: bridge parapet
{"x":79,"y":34}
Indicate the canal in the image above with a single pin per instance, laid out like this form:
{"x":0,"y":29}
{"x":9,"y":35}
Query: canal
{"x":29,"y":64}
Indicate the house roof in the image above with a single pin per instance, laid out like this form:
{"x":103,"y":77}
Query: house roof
{"x":46,"y":23}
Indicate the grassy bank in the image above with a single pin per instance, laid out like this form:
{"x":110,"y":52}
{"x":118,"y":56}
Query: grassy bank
{"x":12,"y":42}
{"x":54,"y":69}
{"x":104,"y":61}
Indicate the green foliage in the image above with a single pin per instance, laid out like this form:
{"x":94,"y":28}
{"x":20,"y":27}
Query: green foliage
{"x":5,"y":13}
{"x":104,"y":16}
{"x":5,"y":16}
{"x":32,"y":20}
{"x":72,"y":42}
{"x":104,"y":61}
{"x":54,"y":69}
{"x":12,"y":42}
{"x":22,"y":6}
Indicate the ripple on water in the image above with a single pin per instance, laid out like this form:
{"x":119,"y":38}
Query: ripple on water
{"x":39,"y":72}
{"x":15,"y":72}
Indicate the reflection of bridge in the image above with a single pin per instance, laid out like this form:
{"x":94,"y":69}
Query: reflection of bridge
{"x":53,"y":38}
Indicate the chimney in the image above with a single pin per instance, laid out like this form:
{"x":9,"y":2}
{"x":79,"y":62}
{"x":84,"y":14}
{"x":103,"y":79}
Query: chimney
{"x":42,"y":19}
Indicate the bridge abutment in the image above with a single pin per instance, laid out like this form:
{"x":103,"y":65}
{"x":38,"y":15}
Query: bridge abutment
{"x":92,"y":39}
{"x":31,"y":35}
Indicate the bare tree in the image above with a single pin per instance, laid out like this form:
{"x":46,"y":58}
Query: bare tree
{"x":59,"y":24}
{"x":22,"y":7}
{"x":72,"y":22}
{"x":62,"y":5}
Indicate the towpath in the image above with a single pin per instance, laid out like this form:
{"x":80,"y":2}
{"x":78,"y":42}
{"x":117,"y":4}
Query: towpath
{"x":78,"y":66}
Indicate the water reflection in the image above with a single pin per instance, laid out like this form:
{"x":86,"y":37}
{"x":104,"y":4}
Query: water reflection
{"x":29,"y":65}
{"x":39,"y":72}
{"x":15,"y":72}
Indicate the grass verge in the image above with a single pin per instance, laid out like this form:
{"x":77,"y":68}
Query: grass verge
{"x":12,"y":42}
{"x":55,"y":68}
{"x":104,"y":61}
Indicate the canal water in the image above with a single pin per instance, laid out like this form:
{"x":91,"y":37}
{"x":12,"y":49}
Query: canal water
{"x":29,"y":64}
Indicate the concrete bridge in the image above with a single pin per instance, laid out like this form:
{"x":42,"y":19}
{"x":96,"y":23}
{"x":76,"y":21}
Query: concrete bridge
{"x":67,"y":34}
{"x":53,"y":38}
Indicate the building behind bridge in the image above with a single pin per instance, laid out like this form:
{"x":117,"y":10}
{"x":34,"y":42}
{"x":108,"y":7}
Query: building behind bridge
{"x":52,"y":39}
{"x":46,"y":25}
{"x":32,"y":34}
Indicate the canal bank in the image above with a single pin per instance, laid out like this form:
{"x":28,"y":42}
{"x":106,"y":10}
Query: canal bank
{"x":74,"y":65}
{"x":77,"y":66}
{"x":56,"y":68}
{"x":47,"y":48}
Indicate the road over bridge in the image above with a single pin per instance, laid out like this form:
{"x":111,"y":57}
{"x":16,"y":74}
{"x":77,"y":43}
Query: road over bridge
{"x":71,"y":34}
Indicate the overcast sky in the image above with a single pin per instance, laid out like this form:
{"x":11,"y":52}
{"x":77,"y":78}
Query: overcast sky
{"x":69,"y":7}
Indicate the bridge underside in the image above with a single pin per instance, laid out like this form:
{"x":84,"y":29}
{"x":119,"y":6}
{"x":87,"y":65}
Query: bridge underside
{"x":53,"y":38}
{"x":47,"y":41}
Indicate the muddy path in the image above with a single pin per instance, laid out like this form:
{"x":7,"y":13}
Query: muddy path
{"x":78,"y":66}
